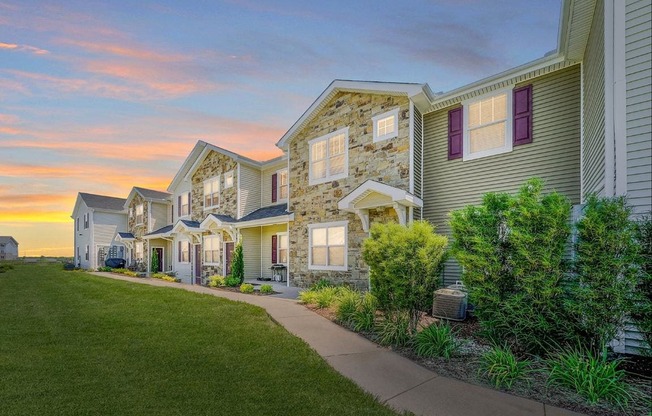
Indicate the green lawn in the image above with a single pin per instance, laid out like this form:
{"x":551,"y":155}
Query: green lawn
{"x":72,"y":343}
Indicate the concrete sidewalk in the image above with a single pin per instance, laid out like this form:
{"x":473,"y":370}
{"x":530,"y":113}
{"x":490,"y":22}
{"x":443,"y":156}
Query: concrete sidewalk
{"x":393,"y":379}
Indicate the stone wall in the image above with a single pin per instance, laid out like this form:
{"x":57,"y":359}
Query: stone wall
{"x":386,"y":161}
{"x":215,"y":164}
{"x":139,"y":230}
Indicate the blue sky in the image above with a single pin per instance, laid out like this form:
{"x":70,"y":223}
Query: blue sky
{"x":102,"y":96}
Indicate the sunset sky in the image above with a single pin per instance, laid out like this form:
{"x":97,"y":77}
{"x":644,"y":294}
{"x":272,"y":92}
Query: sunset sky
{"x":102,"y":96}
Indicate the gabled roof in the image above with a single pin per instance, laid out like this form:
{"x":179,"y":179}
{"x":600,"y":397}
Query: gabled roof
{"x":103,"y":202}
{"x":420,"y":94}
{"x":186,"y":226}
{"x":8,"y":238}
{"x":126,"y":236}
{"x":370,"y":187}
{"x":199,"y":153}
{"x":163,"y":231}
{"x":148,"y":195}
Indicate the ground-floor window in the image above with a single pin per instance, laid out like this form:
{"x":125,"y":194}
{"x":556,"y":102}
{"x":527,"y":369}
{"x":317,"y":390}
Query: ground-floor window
{"x":184,"y":251}
{"x":327,"y":246}
{"x":211,"y":249}
{"x":139,"y":250}
{"x":282,"y":248}
{"x":86,"y":252}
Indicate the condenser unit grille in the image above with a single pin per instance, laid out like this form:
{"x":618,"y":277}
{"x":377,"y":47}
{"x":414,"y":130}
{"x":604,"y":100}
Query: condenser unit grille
{"x":449,"y":304}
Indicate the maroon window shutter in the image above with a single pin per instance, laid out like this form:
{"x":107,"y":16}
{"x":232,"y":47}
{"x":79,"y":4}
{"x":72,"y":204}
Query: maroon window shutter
{"x":274,"y":187}
{"x":523,"y":115}
{"x":274,"y":253}
{"x":179,"y":207}
{"x":179,"y":244}
{"x":455,"y":133}
{"x":189,"y":203}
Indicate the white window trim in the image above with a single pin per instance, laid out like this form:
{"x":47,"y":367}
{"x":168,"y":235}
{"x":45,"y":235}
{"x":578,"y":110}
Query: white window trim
{"x":226,"y":175}
{"x":311,"y":227}
{"x":328,"y":178}
{"x":278,"y":242}
{"x":219,"y":192}
{"x":187,"y":195}
{"x":142,"y":251}
{"x":189,"y":252}
{"x":278,"y":185}
{"x":142,"y":215}
{"x":219,"y":244}
{"x":466,"y":146}
{"x":379,"y":117}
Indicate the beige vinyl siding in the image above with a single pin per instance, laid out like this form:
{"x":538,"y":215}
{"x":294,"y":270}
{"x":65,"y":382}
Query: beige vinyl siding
{"x":553,"y":155}
{"x":638,"y":72}
{"x":251,"y":252}
{"x":267,"y":183}
{"x":160,"y":215}
{"x":249,"y":192}
{"x":266,"y":246}
{"x":638,"y":64}
{"x":593,"y":156}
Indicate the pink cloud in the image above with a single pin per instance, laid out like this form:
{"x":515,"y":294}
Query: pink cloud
{"x":127,"y":51}
{"x":23,"y":48}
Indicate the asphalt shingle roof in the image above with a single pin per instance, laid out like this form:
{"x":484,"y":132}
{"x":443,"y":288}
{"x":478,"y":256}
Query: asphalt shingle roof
{"x":163,"y":230}
{"x":150,"y":193}
{"x":103,"y":202}
{"x":126,"y":235}
{"x":224,"y":218}
{"x":191,"y":224}
{"x":266,"y":212}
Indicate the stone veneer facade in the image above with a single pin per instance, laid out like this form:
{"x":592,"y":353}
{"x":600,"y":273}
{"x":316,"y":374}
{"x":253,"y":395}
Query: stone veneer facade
{"x":215,"y":164}
{"x":387,"y":161}
{"x":139,"y":230}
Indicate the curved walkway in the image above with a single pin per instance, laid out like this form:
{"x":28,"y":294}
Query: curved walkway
{"x":393,"y":379}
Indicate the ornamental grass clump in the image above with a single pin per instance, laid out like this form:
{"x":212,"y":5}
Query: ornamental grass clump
{"x":347,"y":304}
{"x":266,"y":289}
{"x":364,"y":318}
{"x":591,"y":375}
{"x":394,"y":329}
{"x":247,"y":288}
{"x":503,"y":368}
{"x":436,"y":340}
{"x":216,"y":281}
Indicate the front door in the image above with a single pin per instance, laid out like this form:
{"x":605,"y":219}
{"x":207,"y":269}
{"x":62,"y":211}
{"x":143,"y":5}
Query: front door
{"x":228,"y":256}
{"x":159,"y":263}
{"x":197,"y":271}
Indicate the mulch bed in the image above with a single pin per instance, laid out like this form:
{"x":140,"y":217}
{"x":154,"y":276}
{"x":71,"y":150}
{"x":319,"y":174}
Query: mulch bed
{"x":465,"y":367}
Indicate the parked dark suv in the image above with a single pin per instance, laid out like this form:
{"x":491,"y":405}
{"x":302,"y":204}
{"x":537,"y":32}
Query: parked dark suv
{"x":115,"y":263}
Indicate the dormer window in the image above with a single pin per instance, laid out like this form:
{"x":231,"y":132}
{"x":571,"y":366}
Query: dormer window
{"x":386,"y":125}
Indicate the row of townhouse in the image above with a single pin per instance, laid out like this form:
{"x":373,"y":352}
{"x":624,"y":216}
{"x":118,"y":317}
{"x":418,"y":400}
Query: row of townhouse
{"x":367,"y":152}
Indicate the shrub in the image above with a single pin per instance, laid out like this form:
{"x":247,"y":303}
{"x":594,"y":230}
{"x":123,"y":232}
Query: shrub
{"x":325,"y":297}
{"x":322,"y":283}
{"x":266,"y":289}
{"x":395,"y":329}
{"x":605,"y":276}
{"x":436,"y":340}
{"x":5,"y":266}
{"x":231,"y":281}
{"x":512,"y":251}
{"x":216,"y":281}
{"x":347,"y":304}
{"x":247,"y":288}
{"x":237,"y":266}
{"x":405,"y":264}
{"x":170,"y":279}
{"x":502,"y":367}
{"x":103,"y":269}
{"x":155,"y":260}
{"x":309,"y":297}
{"x":641,"y":305}
{"x":591,"y":375}
{"x":364,"y":318}
{"x":161,"y":276}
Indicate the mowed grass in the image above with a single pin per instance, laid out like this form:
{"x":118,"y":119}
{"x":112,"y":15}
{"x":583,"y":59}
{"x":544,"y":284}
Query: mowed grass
{"x":72,"y":343}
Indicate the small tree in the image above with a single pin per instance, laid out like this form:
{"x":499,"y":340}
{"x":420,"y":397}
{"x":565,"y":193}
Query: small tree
{"x":237,"y":267}
{"x":641,"y":307}
{"x":405,"y":264}
{"x":155,"y":260}
{"x":605,"y":257}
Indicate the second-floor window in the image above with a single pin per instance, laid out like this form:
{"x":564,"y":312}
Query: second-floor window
{"x":77,"y":223}
{"x":283,"y":184}
{"x":386,"y":125}
{"x":228,"y":180}
{"x":212,"y":192}
{"x":184,"y":204}
{"x":329,"y":157}
{"x":140,"y":217}
{"x":86,"y":221}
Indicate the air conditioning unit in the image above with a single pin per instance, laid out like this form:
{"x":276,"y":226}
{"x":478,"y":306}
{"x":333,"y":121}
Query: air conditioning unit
{"x":449,"y":304}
